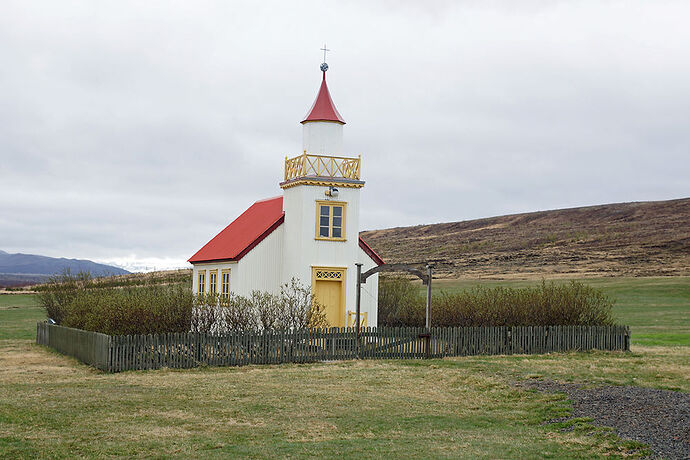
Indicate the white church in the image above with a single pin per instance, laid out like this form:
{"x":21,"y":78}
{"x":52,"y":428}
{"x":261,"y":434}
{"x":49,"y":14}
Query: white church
{"x":311,"y":232}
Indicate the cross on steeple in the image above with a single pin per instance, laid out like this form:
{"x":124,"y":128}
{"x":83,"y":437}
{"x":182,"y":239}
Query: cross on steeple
{"x":324,"y":49}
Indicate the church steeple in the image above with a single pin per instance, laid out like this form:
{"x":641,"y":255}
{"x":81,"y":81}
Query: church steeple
{"x":323,"y":108}
{"x":322,"y":128}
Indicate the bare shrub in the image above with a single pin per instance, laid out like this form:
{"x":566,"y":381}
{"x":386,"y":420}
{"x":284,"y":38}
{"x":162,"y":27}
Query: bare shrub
{"x":238,"y":313}
{"x":294,"y":308}
{"x":267,"y":308}
{"x":316,"y":316}
{"x":75,"y":301}
{"x":57,"y":294}
{"x":298,"y":307}
{"x":207,"y":314}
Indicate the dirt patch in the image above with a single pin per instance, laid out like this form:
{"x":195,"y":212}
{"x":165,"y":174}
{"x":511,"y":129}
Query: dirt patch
{"x":659,"y":418}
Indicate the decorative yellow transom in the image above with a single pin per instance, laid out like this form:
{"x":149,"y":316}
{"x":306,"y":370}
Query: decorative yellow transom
{"x":328,"y":274}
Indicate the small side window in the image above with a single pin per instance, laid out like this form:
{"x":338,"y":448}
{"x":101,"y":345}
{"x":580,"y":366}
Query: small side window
{"x":201,"y":288}
{"x":225,"y":283}
{"x":212,"y":281}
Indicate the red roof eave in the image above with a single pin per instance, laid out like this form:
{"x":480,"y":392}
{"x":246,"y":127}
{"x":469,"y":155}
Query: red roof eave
{"x":249,"y":247}
{"x":244,"y":233}
{"x":370,"y":252}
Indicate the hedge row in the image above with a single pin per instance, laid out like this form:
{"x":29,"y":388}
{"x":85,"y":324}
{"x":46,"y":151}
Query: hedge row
{"x":548,"y":304}
{"x":80,"y":302}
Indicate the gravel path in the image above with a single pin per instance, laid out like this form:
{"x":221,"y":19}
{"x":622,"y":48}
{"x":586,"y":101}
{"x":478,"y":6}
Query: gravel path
{"x":659,"y":418}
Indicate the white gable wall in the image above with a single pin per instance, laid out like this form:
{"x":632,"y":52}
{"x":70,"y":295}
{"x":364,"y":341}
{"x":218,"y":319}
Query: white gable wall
{"x":262,"y":268}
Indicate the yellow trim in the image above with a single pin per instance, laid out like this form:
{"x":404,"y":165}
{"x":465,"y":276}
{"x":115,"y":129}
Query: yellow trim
{"x":201,"y":282}
{"x":322,"y":166}
{"x":331,"y":205}
{"x":351,"y":315}
{"x":335,"y":274}
{"x":212,"y":281}
{"x":225,"y":287}
{"x":324,"y":183}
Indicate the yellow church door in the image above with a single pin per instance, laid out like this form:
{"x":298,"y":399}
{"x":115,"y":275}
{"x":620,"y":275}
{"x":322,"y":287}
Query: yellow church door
{"x":329,"y":289}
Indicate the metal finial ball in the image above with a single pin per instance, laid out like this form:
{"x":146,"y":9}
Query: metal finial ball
{"x":324,"y":67}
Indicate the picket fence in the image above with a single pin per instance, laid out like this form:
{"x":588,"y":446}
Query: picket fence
{"x":186,"y":350}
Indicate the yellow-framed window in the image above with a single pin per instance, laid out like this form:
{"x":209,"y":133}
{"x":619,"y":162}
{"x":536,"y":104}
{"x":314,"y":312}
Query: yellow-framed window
{"x":225,"y":283}
{"x":201,"y":288}
{"x":330,"y":220}
{"x":212,"y":282}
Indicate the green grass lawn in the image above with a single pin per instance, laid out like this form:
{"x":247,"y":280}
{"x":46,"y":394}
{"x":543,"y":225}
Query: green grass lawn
{"x":18,"y":316}
{"x":657,"y":309}
{"x":468,"y":407}
{"x":52,"y":406}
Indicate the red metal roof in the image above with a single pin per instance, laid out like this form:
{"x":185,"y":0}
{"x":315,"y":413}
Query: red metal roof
{"x":323,"y":108}
{"x":248,"y":230}
{"x":370,"y":252}
{"x":243,"y":233}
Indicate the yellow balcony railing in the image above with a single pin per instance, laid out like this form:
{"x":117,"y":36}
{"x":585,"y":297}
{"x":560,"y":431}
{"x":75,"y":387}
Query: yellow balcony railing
{"x":322,"y":166}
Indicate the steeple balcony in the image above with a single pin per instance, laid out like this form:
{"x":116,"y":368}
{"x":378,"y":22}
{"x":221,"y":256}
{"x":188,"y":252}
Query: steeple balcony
{"x":322,"y":170}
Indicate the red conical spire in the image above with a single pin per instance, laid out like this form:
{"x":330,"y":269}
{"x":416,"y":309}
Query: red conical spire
{"x":323,"y":108}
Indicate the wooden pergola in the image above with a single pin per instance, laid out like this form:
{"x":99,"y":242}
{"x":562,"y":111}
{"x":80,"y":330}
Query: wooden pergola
{"x":362,"y":279}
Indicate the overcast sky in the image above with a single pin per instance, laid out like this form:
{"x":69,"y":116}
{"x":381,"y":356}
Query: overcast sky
{"x":132,"y":132}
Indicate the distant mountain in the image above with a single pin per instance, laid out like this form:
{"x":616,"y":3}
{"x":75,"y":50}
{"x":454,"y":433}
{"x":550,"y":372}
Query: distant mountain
{"x":30,"y":264}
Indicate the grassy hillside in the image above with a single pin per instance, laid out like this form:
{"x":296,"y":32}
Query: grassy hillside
{"x":628,"y":239}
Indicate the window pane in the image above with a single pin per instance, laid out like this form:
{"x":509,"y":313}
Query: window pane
{"x":325,"y":210}
{"x":337,"y":232}
{"x":337,"y":221}
{"x":337,"y":210}
{"x":323,"y":231}
{"x":323,"y":221}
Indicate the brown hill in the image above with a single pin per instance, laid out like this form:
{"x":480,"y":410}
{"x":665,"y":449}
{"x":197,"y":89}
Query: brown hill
{"x":626,"y":239}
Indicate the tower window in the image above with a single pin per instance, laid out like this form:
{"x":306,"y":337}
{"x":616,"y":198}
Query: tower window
{"x":330,"y":220}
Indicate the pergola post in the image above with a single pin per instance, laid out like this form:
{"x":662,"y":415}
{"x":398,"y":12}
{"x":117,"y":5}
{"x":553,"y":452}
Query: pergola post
{"x":428,"y":297}
{"x":359,"y":294}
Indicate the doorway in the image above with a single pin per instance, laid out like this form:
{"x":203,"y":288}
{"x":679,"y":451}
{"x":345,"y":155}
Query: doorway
{"x":328,"y":284}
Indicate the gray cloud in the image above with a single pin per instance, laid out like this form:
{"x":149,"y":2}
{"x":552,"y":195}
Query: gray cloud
{"x":134,"y":131}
